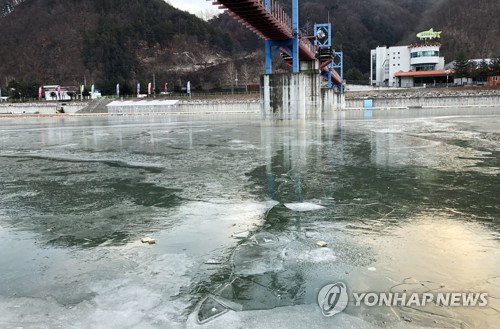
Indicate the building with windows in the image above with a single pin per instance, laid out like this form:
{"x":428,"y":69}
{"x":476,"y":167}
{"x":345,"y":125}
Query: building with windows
{"x":493,"y":81}
{"x":408,"y":66}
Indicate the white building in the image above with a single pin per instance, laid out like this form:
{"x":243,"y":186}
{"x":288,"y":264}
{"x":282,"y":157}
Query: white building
{"x":56,"y":92}
{"x":407,"y":66}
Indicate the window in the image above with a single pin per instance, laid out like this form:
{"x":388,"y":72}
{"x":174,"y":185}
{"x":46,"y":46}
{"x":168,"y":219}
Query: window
{"x":374,"y":67}
{"x":428,"y":53}
{"x":424,"y":67}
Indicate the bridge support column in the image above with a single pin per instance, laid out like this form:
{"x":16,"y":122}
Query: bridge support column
{"x":293,"y":96}
{"x":331,"y":100}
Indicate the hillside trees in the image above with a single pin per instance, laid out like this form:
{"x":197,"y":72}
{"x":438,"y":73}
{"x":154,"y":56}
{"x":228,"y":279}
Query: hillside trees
{"x":105,"y":42}
{"x":462,"y":67}
{"x":23,"y":89}
{"x":495,"y":66}
{"x":483,"y":70}
{"x":471,"y":27}
{"x":123,"y":41}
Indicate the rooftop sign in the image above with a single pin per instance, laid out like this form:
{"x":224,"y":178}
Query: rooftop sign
{"x":429,"y":35}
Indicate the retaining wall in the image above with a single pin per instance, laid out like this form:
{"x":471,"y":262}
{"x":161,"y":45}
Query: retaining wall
{"x":189,"y":108}
{"x":39,"y":108}
{"x":440,"y":101}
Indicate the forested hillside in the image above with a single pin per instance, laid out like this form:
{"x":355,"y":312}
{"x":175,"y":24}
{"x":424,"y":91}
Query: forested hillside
{"x":105,"y":41}
{"x":127,"y":41}
{"x":470,"y":28}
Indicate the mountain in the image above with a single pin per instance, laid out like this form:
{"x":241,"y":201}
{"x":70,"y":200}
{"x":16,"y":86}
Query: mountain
{"x":470,"y":28}
{"x":106,"y":41}
{"x":128,"y":41}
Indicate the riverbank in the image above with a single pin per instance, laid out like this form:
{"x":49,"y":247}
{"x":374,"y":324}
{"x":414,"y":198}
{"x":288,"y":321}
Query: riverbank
{"x":423,"y":98}
{"x":250,"y":103}
{"x":40,"y":108}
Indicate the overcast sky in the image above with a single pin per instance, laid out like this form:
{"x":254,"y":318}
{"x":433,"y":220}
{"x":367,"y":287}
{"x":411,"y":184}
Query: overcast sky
{"x":193,"y":6}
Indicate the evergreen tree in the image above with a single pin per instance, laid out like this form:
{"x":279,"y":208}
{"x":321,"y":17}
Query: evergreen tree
{"x":474,"y":73}
{"x":495,"y":66}
{"x":22,"y":89}
{"x":462,"y":67}
{"x":484,"y":70}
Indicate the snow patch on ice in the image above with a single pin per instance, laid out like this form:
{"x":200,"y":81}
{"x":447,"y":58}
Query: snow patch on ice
{"x":319,"y":255}
{"x":303,"y":206}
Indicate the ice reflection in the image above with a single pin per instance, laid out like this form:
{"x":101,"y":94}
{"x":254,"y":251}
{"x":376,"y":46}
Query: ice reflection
{"x":372,"y":188}
{"x":440,"y":252}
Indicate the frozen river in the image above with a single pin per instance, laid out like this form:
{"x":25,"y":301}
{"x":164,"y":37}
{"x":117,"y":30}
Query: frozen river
{"x":406,"y":201}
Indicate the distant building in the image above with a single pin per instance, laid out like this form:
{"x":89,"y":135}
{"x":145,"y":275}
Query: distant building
{"x":56,"y":92}
{"x":493,"y":81}
{"x":408,"y":66}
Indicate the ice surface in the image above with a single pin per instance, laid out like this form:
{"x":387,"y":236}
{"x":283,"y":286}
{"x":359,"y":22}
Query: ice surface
{"x":210,"y":309}
{"x":303,"y":206}
{"x":255,"y":259}
{"x":241,"y":235}
{"x":134,"y":288}
{"x":258,"y":255}
{"x":77,"y":194}
{"x":318,"y":255}
{"x":297,"y":316}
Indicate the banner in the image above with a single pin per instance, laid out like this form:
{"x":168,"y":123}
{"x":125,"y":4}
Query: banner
{"x":82,"y":89}
{"x":92,"y":89}
{"x":40,"y":92}
{"x":149,"y":88}
{"x":188,"y":88}
{"x":117,"y":89}
{"x":166,"y":87}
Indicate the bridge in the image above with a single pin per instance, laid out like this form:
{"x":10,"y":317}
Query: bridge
{"x":268,"y":20}
{"x":281,"y":33}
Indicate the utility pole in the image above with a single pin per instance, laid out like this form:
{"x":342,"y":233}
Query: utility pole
{"x":154,"y":84}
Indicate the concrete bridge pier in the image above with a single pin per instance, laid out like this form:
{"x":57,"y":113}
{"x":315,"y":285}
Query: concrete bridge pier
{"x":331,"y":100}
{"x":293,"y":96}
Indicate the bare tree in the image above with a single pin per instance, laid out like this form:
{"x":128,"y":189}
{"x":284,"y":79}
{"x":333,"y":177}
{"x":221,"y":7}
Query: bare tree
{"x":229,"y":75}
{"x":245,"y":75}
